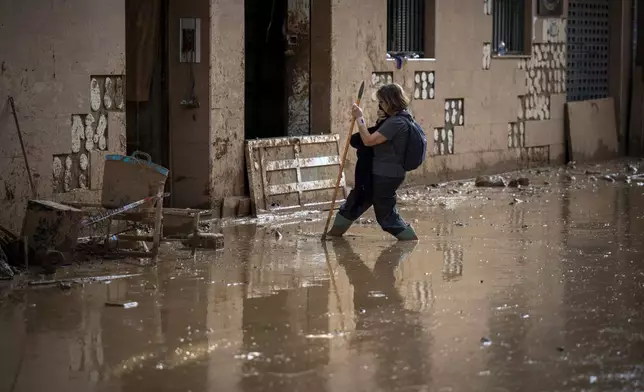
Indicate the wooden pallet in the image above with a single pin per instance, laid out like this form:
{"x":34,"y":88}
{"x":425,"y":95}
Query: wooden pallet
{"x":293,"y":173}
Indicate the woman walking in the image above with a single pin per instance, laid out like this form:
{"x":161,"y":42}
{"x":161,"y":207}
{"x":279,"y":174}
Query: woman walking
{"x":389,"y":143}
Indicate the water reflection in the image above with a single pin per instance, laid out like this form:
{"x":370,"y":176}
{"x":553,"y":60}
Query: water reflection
{"x":554,"y":286}
{"x":452,"y":264}
{"x":277,"y":353}
{"x":385,"y":329}
{"x":603,"y":292}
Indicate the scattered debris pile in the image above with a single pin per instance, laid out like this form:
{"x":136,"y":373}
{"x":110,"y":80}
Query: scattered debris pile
{"x":501,"y":182}
{"x":491,"y":182}
{"x":10,"y":253}
{"x":522,"y":184}
{"x":127,"y":219}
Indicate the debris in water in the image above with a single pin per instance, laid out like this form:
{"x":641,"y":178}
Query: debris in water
{"x":203,"y":240}
{"x":324,"y":336}
{"x":122,"y":304}
{"x":377,"y":294}
{"x":516,"y":201}
{"x":561,"y":349}
{"x":506,"y":306}
{"x":65,"y":285}
{"x":484,"y":373}
{"x":485,"y":342}
{"x":249,"y":356}
{"x":91,"y":279}
{"x":517,"y":182}
{"x":277,"y":234}
{"x":490,"y":182}
{"x":609,"y":178}
{"x":632,"y":169}
{"x":592,"y":379}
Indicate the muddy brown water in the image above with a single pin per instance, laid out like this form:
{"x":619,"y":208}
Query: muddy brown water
{"x":544,"y":295}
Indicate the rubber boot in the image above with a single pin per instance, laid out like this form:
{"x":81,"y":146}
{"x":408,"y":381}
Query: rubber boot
{"x":407,"y":235}
{"x":340,"y":226}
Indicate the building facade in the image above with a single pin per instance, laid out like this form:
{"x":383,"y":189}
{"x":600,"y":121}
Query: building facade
{"x":189,"y":81}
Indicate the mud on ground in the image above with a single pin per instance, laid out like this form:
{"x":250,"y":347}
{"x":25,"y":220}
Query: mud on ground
{"x":535,"y":288}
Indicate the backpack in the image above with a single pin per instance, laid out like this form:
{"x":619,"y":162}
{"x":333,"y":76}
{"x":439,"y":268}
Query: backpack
{"x":416,"y":149}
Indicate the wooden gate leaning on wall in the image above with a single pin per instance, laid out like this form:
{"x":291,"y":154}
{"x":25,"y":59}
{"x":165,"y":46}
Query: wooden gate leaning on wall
{"x":293,"y":173}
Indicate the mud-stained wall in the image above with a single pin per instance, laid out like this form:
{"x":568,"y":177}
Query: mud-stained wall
{"x":64,"y":64}
{"x":206,"y":142}
{"x":189,"y":126}
{"x":227,"y":164}
{"x":481,"y":113}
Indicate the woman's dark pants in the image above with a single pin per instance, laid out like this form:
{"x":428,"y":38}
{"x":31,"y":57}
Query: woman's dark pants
{"x":382,"y":196}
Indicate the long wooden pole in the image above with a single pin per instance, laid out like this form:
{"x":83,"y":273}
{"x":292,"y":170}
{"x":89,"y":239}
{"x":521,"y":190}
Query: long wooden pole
{"x":24,"y":152}
{"x":342,"y":162}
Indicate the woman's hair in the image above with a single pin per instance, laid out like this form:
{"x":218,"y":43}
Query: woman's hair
{"x":394,"y":97}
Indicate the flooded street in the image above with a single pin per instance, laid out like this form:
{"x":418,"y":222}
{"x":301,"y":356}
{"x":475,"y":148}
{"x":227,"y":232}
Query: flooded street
{"x":537,"y":289}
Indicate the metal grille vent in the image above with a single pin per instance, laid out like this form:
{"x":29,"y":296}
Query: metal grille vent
{"x":588,"y":45}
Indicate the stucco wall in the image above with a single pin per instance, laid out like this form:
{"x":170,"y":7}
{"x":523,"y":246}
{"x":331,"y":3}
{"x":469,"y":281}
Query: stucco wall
{"x":49,"y":54}
{"x":489,"y":91}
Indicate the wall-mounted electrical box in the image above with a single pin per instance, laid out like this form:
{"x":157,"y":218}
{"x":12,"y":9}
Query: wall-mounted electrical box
{"x":190,"y":40}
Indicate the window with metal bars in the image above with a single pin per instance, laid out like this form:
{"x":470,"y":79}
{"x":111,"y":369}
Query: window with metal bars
{"x":511,"y":26}
{"x":406,"y":27}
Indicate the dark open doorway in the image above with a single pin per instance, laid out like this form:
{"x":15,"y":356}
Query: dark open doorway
{"x":265,"y":91}
{"x":146,"y":81}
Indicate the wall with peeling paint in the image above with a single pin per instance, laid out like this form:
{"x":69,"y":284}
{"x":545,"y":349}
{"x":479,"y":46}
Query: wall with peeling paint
{"x":64,"y":64}
{"x":480,"y":113}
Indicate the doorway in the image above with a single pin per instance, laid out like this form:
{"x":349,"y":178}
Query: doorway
{"x":146,"y":82}
{"x":266,"y":112}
